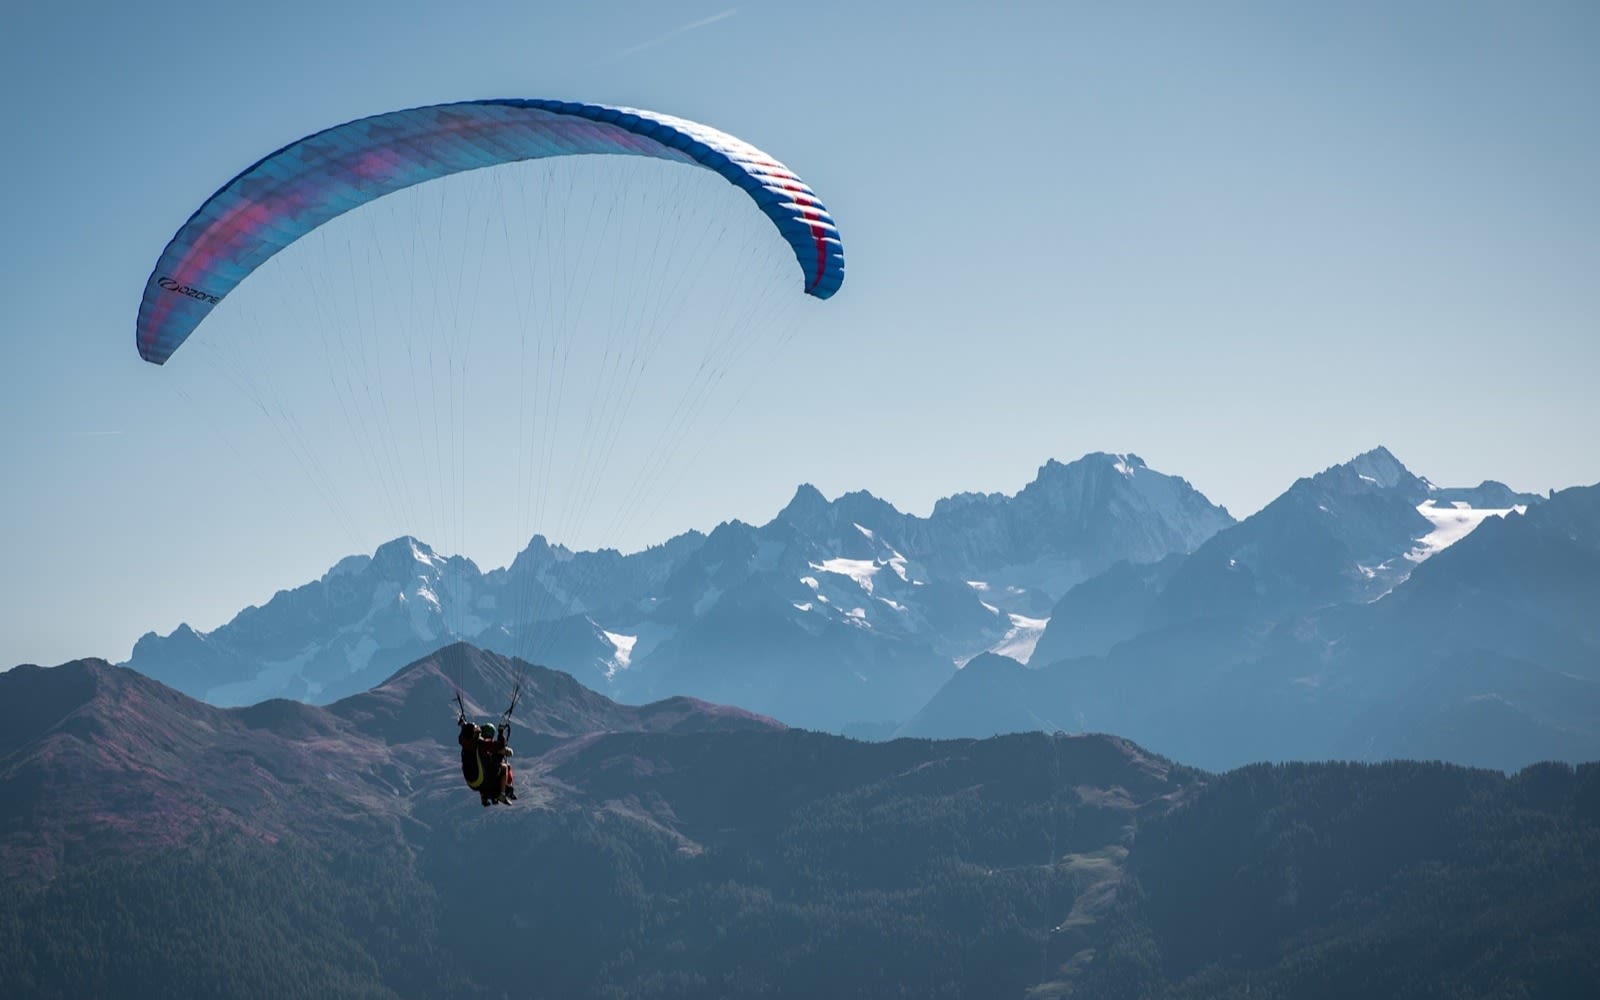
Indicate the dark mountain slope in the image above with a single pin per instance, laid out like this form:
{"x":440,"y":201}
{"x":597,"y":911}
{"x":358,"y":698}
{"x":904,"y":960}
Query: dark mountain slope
{"x":101,"y":758}
{"x":703,"y":852}
{"x":1400,"y":880}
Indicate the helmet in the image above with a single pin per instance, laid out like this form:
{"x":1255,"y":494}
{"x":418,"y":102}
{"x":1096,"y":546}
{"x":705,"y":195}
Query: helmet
{"x":486,"y":730}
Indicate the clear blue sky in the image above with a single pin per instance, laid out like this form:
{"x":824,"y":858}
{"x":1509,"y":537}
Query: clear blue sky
{"x":1245,"y":240}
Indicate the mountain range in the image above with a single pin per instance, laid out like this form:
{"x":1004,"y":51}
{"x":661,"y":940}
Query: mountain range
{"x":832,"y":613}
{"x":1286,"y":636}
{"x":1103,"y":596}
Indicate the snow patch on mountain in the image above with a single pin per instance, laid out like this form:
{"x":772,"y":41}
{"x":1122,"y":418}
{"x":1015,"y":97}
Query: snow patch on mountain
{"x":897,"y":562}
{"x":1451,"y":524}
{"x":623,"y":644}
{"x":419,"y":613}
{"x":860,"y":570}
{"x":1021,"y":639}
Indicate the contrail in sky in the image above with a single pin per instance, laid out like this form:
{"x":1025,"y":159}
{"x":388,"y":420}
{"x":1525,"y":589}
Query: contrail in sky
{"x":675,"y":32}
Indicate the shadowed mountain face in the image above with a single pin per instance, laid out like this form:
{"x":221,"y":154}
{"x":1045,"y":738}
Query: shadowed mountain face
{"x":833,"y":613}
{"x":674,"y":806}
{"x":1486,"y":655}
{"x":153,"y":845}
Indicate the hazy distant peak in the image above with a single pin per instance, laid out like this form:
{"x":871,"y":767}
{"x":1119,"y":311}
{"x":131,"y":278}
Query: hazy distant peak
{"x":403,"y":551}
{"x":1126,"y":464}
{"x":539,"y":550}
{"x":349,"y":566}
{"x":847,"y":577}
{"x":1381,"y":466}
{"x":1121,"y":461}
{"x":808,"y":501}
{"x":963,"y":501}
{"x":861,"y":505}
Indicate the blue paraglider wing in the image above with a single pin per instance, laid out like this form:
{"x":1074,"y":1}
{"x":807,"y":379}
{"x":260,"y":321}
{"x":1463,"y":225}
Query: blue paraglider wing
{"x":308,"y":182}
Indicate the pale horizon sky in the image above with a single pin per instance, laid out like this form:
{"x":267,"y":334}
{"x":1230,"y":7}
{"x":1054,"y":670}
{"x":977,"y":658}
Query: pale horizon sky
{"x":1244,"y":241}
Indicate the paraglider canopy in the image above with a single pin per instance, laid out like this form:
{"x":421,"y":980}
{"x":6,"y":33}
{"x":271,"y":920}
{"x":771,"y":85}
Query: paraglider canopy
{"x":291,"y":192}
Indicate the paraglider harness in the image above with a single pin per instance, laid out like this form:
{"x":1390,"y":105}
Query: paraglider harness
{"x":483,"y":760}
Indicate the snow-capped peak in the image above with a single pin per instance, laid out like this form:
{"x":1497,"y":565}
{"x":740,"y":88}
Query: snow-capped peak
{"x":404,"y":552}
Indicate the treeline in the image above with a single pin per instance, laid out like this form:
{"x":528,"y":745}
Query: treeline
{"x":224,"y":918}
{"x":1275,"y":881}
{"x":1399,"y":879}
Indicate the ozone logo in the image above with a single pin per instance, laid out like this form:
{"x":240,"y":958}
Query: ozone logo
{"x":193,"y":293}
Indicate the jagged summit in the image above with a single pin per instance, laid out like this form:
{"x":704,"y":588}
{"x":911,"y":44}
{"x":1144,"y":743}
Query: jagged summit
{"x":406,"y":553}
{"x":957,"y":502}
{"x":405,"y":547}
{"x":539,"y":550}
{"x":1125,"y":464}
{"x":1341,"y":535}
{"x":808,"y":502}
{"x":1381,"y":467}
{"x":1348,"y":534}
